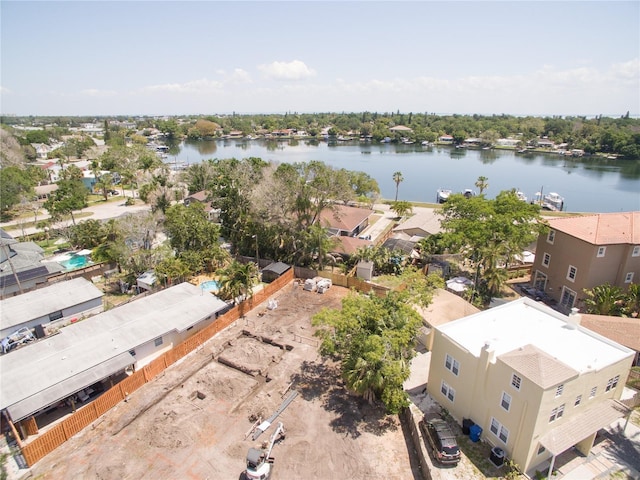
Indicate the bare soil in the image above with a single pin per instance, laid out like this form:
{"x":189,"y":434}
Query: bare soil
{"x":194,"y":420}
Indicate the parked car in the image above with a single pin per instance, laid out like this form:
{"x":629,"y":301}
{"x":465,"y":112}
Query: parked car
{"x":18,"y":338}
{"x":442,"y":440}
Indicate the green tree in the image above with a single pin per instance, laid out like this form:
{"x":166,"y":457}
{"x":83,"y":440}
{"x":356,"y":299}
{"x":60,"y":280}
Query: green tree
{"x":189,"y":228}
{"x":482,"y":183}
{"x":490,"y":232}
{"x":374,"y":338}
{"x":397,"y":178}
{"x":237,"y":280}
{"x":604,"y":300}
{"x":104,"y":185}
{"x":15,"y":185}
{"x":70,"y":196}
{"x":402,"y":208}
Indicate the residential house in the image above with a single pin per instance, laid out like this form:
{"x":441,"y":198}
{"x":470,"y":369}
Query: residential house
{"x":401,"y":129}
{"x":22,"y":267}
{"x":57,"y":303}
{"x":582,"y":252}
{"x":41,"y":376}
{"x":535,"y":380}
{"x":44,"y":191}
{"x":213,"y":214}
{"x":508,"y":142}
{"x":342,"y":220}
{"x":422,"y":224}
{"x":445,"y":139}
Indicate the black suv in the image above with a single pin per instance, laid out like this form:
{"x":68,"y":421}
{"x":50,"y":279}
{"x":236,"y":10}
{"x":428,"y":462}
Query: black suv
{"x":442,"y":440}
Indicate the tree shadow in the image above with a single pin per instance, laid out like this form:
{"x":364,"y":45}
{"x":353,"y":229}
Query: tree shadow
{"x":353,"y":415}
{"x":624,"y":447}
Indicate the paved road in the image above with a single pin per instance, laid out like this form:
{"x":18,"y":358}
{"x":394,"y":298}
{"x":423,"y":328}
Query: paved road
{"x":101,"y":211}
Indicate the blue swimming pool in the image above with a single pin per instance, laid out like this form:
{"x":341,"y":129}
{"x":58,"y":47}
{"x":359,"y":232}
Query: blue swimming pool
{"x":210,"y":286}
{"x":75,"y":262}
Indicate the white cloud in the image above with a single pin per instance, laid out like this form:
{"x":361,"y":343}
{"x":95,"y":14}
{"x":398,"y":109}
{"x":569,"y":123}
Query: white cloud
{"x":627,"y":71}
{"x":294,"y":70}
{"x":240,"y":76}
{"x":195,"y":86}
{"x":94,"y":92}
{"x":4,"y":90}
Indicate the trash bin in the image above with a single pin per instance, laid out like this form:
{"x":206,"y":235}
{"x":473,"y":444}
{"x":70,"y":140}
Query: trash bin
{"x":474,"y":432}
{"x":466,"y":425}
{"x":497,"y":456}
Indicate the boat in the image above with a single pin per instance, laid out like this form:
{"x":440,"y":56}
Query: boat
{"x":442,"y":195}
{"x":468,"y":193}
{"x":551,"y":201}
{"x":521,"y":196}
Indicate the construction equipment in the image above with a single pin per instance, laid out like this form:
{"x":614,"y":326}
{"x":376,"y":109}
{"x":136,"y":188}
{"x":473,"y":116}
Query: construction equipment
{"x":267,"y":423}
{"x":260,"y":461}
{"x":18,"y":338}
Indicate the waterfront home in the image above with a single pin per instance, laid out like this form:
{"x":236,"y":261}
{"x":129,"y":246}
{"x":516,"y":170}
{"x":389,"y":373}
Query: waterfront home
{"x":535,"y":381}
{"x":583,"y":252}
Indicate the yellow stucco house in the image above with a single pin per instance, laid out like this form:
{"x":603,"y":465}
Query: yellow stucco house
{"x":535,"y":380}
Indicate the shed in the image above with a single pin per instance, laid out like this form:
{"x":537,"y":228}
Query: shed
{"x":274,"y":271}
{"x":147,"y":280}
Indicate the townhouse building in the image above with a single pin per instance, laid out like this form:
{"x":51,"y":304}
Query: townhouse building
{"x":535,"y":380}
{"x":583,"y":252}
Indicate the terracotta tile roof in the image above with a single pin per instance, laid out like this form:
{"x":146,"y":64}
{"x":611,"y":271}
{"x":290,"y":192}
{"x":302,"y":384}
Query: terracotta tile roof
{"x":601,"y":229}
{"x":625,"y":331}
{"x":343,"y":217}
{"x":580,"y":426}
{"x":538,"y":366}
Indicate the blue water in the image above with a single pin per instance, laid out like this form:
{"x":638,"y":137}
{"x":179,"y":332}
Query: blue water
{"x":210,"y":286}
{"x":587,"y":184}
{"x":75,"y":262}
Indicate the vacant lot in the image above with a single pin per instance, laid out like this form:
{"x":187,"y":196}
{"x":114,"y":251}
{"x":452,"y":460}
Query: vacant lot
{"x":193,"y":420}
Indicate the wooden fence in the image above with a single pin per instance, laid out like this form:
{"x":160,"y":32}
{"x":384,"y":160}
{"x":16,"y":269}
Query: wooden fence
{"x":60,"y":433}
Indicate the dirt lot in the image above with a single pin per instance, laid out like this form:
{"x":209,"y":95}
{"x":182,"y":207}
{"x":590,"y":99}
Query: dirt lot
{"x":166,"y":431}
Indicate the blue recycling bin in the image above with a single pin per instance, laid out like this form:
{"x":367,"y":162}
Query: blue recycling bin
{"x":474,"y":432}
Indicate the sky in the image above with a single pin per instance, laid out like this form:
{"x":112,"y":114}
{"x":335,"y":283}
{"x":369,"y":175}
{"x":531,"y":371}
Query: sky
{"x":209,"y":57}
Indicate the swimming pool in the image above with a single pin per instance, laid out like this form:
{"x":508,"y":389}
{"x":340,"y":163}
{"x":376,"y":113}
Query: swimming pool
{"x":210,"y":286}
{"x":75,"y":261}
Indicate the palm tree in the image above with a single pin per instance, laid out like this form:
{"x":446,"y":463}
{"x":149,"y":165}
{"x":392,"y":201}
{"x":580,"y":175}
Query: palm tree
{"x":238,"y":280}
{"x":482,"y":184}
{"x":398,"y":178}
{"x":604,"y":300}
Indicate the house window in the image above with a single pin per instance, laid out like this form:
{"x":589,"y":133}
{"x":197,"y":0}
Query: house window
{"x":556,"y":413}
{"x":55,"y":316}
{"x":158,"y":341}
{"x":636,"y":251}
{"x":559,"y":389}
{"x":568,"y":298}
{"x":516,"y":381}
{"x":551,"y":236}
{"x":541,"y":450}
{"x":540,"y":282}
{"x":612,"y":383}
{"x":593,"y":392}
{"x":546,"y":259}
{"x":506,"y":401}
{"x":452,"y":364}
{"x":447,"y":391}
{"x":628,"y":277}
{"x":571,"y":273}
{"x":601,"y":251}
{"x":578,"y":401}
{"x":499,"y":430}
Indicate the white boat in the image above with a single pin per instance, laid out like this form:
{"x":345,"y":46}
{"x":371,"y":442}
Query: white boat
{"x":442,"y":195}
{"x":551,"y":201}
{"x":468,"y":193}
{"x":521,"y":196}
